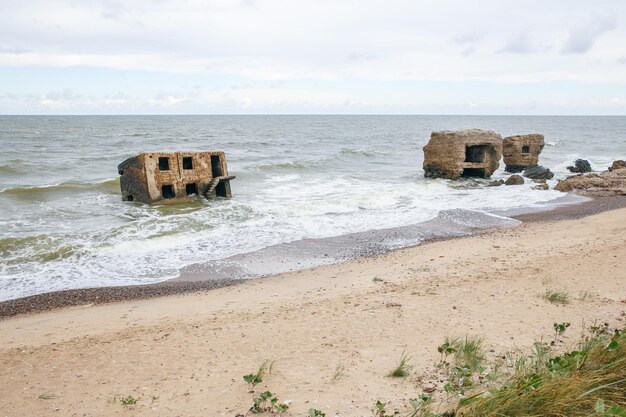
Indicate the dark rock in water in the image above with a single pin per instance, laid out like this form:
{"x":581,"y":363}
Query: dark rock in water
{"x":540,"y":181}
{"x":538,"y":172}
{"x":543,"y":186}
{"x":619,"y":164}
{"x":495,"y":183}
{"x":580,"y":165}
{"x":514,"y":180}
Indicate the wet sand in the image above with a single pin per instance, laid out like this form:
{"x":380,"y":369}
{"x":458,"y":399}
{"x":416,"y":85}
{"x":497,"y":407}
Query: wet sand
{"x":282,"y":258}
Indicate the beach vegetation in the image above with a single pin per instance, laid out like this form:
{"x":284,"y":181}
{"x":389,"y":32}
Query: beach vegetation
{"x":377,"y":280}
{"x":403,"y":368}
{"x":559,"y":329}
{"x":449,"y":346}
{"x":256,"y":378}
{"x":48,"y":396}
{"x":128,"y":400}
{"x":267,"y":402}
{"x":556,"y":297}
{"x":339,"y":372}
{"x":379,"y":409}
{"x":589,"y":380}
{"x":313,"y":412}
{"x":586,"y":295}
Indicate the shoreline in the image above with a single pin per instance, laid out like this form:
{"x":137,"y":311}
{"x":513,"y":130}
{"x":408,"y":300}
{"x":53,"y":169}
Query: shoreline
{"x":333,"y":333}
{"x":191,"y":279}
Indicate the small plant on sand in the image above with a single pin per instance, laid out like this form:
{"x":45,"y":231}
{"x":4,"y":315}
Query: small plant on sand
{"x":268,"y":402}
{"x":339,"y":370}
{"x":556,"y":297}
{"x":402,"y":369}
{"x":559,"y":329}
{"x":254,"y":379}
{"x":313,"y":412}
{"x":376,"y":280}
{"x":48,"y":397}
{"x":128,"y":400}
{"x":379,"y":410}
{"x":421,"y":406}
{"x":586,"y":295}
{"x":449,"y":346}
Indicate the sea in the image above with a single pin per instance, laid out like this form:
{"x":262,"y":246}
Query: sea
{"x":300,"y":178}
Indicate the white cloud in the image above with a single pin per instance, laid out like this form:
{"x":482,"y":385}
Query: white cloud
{"x":312,"y":43}
{"x":582,"y":39}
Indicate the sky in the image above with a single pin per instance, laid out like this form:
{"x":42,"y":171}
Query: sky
{"x":547,"y":57}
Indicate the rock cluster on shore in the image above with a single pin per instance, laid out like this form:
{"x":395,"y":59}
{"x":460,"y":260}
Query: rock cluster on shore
{"x":608,"y":183}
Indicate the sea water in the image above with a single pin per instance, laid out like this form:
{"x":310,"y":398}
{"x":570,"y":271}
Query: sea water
{"x":63,"y":224}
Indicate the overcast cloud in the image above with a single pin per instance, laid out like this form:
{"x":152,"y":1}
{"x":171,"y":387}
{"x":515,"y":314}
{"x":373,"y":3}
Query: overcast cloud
{"x":313,"y":56}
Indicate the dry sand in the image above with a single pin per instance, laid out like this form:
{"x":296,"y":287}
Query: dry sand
{"x":185,"y":355}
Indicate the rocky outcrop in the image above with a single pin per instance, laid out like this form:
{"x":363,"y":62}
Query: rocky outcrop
{"x":514,"y":180}
{"x":522,"y":151}
{"x":541,"y":187}
{"x":581,"y":166}
{"x":597,"y":184}
{"x":619,"y":164}
{"x":464,"y":153}
{"x":538,"y":173}
{"x":495,"y":183}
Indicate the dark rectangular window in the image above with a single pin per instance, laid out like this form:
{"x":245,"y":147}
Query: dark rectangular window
{"x":525,"y":149}
{"x":475,"y":153}
{"x":192,"y":189}
{"x":164,"y":163}
{"x":187,"y":162}
{"x":167,"y":191}
{"x":216,"y":166}
{"x":129,"y":198}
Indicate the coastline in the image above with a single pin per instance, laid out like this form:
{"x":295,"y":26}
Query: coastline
{"x":194,"y":279}
{"x":186,"y":354}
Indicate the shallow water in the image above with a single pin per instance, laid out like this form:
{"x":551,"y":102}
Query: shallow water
{"x":64,"y":225}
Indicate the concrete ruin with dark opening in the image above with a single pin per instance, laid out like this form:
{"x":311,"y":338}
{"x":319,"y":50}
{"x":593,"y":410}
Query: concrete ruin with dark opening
{"x":522,"y":151}
{"x":168,"y":177}
{"x":463,"y":153}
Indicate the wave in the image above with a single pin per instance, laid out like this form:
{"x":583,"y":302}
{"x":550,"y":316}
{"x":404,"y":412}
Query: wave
{"x":109,"y":186}
{"x":135,"y":135}
{"x":38,"y":248}
{"x":282,"y":165}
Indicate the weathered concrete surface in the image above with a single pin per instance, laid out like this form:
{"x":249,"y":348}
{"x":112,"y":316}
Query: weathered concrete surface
{"x":172,"y":177}
{"x":522,"y":151}
{"x":453,"y":154}
{"x":596,"y":184}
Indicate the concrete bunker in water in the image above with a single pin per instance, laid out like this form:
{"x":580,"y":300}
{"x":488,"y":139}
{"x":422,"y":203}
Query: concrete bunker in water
{"x":168,"y":177}
{"x":522,"y":151}
{"x":463,"y":153}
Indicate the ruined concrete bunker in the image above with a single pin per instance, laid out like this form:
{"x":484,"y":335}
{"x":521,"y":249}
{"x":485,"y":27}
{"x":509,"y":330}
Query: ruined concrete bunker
{"x":167,"y":177}
{"x":463,"y":153}
{"x":522,"y":151}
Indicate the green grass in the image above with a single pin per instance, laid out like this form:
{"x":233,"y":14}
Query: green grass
{"x":129,"y":400}
{"x":588,"y":381}
{"x":556,"y":297}
{"x":403,"y":369}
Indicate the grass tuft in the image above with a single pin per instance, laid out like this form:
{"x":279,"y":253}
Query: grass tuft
{"x":588,"y":381}
{"x":556,"y":297}
{"x":403,"y":368}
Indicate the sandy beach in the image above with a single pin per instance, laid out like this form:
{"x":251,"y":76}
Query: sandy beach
{"x":333,"y":332}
